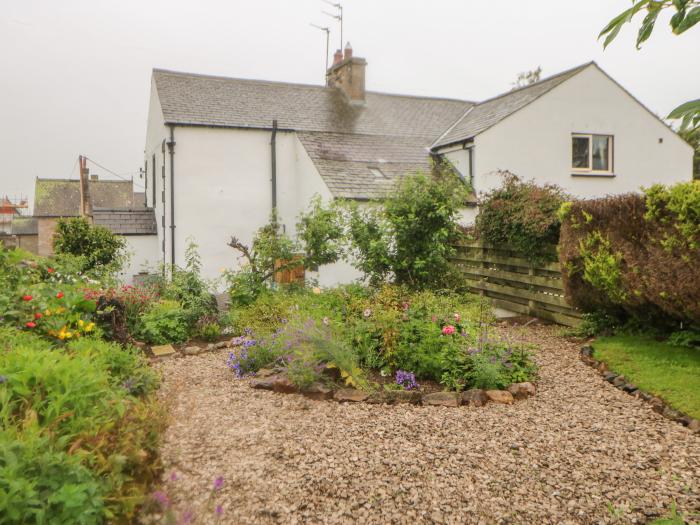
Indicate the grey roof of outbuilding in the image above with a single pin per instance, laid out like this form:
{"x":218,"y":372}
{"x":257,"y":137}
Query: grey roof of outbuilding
{"x":389,"y":132}
{"x":61,"y":197}
{"x":488,"y":113}
{"x":24,"y":226}
{"x":127,"y":222}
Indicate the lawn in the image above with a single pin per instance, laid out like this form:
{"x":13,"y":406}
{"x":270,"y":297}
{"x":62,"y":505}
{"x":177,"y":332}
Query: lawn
{"x":670,"y":372}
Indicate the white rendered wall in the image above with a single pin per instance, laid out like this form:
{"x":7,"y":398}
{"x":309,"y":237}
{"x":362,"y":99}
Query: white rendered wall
{"x":535,"y":142}
{"x":143,"y":254}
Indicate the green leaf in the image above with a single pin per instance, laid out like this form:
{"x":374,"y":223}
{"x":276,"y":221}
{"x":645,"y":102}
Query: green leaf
{"x":692,"y":18}
{"x":615,"y":25}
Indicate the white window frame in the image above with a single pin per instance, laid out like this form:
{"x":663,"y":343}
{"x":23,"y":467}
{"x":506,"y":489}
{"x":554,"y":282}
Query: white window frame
{"x":590,"y":170}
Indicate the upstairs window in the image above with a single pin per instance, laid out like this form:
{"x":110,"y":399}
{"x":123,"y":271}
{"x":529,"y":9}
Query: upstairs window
{"x":592,"y":153}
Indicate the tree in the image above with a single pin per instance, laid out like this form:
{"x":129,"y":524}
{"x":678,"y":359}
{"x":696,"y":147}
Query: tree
{"x":692,"y":137}
{"x":525,"y":78}
{"x":687,"y":15}
{"x":99,"y":248}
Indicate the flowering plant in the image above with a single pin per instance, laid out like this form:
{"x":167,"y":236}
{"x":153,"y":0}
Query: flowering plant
{"x":406,"y":380}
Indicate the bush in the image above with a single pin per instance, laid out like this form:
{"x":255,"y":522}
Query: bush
{"x":521,"y":214}
{"x":96,"y":245}
{"x":635,"y":255}
{"x":165,"y":322}
{"x":409,"y":238}
{"x":78,"y":444}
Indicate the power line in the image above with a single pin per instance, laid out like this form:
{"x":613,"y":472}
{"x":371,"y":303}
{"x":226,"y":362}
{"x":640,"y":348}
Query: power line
{"x":114,"y":172}
{"x":70,"y":174}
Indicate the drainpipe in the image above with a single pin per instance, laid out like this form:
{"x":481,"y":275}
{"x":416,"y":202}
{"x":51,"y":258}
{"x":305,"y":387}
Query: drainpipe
{"x":171,"y":150}
{"x":273,"y":159}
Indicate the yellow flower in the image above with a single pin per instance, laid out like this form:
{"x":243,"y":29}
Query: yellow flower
{"x":90,"y":327}
{"x":69,"y":335}
{"x":81,"y":323}
{"x":62,"y":335}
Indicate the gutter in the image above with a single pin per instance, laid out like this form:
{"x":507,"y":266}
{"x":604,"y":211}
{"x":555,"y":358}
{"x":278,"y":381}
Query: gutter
{"x":273,"y":162}
{"x":171,"y":150}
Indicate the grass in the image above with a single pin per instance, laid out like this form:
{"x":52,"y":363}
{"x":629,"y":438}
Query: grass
{"x":670,"y":372}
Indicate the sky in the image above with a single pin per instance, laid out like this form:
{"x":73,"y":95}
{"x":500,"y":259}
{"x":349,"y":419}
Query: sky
{"x":75,"y":74}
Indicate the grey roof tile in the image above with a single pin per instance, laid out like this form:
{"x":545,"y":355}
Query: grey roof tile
{"x":127,"y":222}
{"x":61,"y":197}
{"x":24,"y":226}
{"x":484,"y":115}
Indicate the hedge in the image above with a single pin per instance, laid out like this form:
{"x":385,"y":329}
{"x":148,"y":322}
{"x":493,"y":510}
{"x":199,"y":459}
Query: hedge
{"x":634,"y":254}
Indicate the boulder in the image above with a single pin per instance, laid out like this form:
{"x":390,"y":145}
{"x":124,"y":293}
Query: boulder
{"x":210,"y":347}
{"x":403,"y":396}
{"x":694,"y":426}
{"x":276,"y":383}
{"x":502,"y":397}
{"x":317,"y":391}
{"x":264,"y":372}
{"x":474,"y":397}
{"x":587,"y":351}
{"x":445,"y":399}
{"x":522,"y":390}
{"x":351,"y":395}
{"x":192,"y":350}
{"x":221,"y":344}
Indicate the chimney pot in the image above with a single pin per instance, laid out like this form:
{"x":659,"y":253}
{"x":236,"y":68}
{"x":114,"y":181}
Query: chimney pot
{"x":94,"y":176}
{"x":337,"y":57}
{"x":348,"y":51}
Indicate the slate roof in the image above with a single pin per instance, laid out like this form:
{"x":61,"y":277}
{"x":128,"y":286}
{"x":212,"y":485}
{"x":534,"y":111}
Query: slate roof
{"x":486,"y":114}
{"x":24,"y":226}
{"x":61,"y":197}
{"x":392,"y":132}
{"x":127,"y":222}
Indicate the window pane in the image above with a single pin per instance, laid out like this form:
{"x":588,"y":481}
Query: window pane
{"x":580,"y":152}
{"x":601,"y":145}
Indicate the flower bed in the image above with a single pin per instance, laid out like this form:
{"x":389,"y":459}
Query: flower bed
{"x":390,"y":345}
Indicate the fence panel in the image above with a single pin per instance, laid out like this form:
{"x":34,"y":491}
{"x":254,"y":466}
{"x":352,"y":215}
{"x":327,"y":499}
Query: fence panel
{"x":514,"y":283}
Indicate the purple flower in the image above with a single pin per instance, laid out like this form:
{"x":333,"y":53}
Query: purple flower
{"x":173,"y":476}
{"x":186,"y":518}
{"x":219,"y":510}
{"x":218,"y":483}
{"x":161,"y":497}
{"x":406,"y":379}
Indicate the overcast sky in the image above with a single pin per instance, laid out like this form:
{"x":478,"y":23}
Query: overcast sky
{"x":75,"y":74}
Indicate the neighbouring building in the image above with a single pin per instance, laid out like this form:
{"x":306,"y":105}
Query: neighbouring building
{"x":114,"y":204}
{"x":221,"y":152}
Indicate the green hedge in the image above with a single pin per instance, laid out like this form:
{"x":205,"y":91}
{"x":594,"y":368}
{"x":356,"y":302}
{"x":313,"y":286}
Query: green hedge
{"x":635,"y":254}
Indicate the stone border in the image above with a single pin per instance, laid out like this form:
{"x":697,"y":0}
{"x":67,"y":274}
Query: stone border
{"x":658,"y":405}
{"x":276,"y":382}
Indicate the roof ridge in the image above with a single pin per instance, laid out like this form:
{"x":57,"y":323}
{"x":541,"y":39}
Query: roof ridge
{"x":302,"y":85}
{"x":451,"y":127}
{"x":535,"y":84}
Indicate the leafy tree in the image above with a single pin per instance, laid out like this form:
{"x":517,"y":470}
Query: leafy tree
{"x":687,"y":15}
{"x":692,"y":137}
{"x":525,"y":78}
{"x":99,"y":248}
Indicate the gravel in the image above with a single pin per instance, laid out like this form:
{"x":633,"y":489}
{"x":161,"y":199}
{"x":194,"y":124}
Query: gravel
{"x":580,"y":451}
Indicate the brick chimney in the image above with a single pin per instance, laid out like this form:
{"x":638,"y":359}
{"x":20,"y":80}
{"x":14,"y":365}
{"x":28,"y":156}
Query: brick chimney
{"x":348,"y":74}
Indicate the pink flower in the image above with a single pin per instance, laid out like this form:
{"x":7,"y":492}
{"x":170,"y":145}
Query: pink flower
{"x":161,"y":497}
{"x":218,"y":483}
{"x":173,"y":476}
{"x":448,"y":330}
{"x":219,"y":510}
{"x":50,"y":270}
{"x":27,"y":297}
{"x":30,"y":324}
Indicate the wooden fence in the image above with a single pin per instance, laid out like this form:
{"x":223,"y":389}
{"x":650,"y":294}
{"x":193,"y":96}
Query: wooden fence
{"x":515,"y":284}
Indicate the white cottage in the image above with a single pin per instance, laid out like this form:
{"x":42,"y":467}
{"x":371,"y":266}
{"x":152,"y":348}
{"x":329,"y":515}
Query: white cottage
{"x":222,"y":152}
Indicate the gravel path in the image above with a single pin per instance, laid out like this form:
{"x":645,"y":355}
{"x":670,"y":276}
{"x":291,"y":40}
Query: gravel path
{"x":580,"y":451}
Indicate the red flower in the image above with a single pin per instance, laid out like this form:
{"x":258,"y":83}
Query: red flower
{"x":448,"y":330}
{"x":27,"y":297}
{"x":59,"y":295}
{"x":50,"y":270}
{"x":30,"y":324}
{"x":38,"y":315}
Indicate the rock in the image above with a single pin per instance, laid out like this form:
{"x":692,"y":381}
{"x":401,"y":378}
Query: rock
{"x":350,"y":395}
{"x":474,"y":397}
{"x":377,"y":398}
{"x":502,"y":397}
{"x":221,"y":344}
{"x":522,"y":390}
{"x":629,"y":388}
{"x":192,"y":350}
{"x":445,"y":399}
{"x":610,"y":377}
{"x":276,"y":383}
{"x":619,"y":381}
{"x":656,"y":404}
{"x":685,"y":420}
{"x":140,"y":345}
{"x":265,"y":372}
{"x":331,"y":372}
{"x":694,"y":426}
{"x":671,"y":413}
{"x":587,"y":351}
{"x":318,"y":392}
{"x":403,"y":396}
{"x":602,"y":368}
{"x":644,"y":395}
{"x":210,"y":347}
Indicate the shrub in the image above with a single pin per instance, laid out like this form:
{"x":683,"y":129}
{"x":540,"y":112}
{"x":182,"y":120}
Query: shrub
{"x":78,"y":444}
{"x":635,"y":254}
{"x":521,"y":214}
{"x":165,"y":322}
{"x":409,"y":237}
{"x":96,"y":245}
